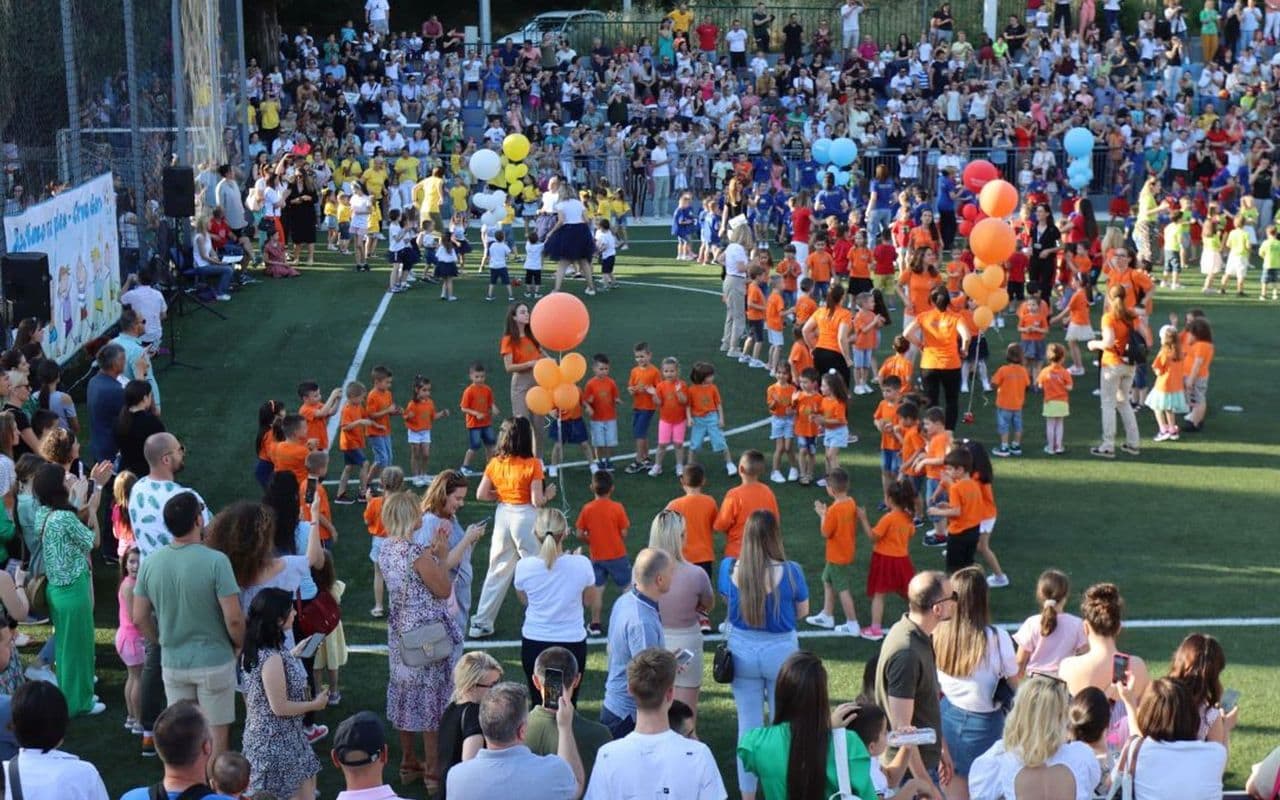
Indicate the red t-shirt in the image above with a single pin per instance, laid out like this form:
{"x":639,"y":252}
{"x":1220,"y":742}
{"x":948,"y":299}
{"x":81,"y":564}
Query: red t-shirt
{"x":707,"y":34}
{"x":801,"y":223}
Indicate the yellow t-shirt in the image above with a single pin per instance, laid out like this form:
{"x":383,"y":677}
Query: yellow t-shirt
{"x":681,"y":20}
{"x":406,"y":169}
{"x":344,"y":212}
{"x":458,"y":196}
{"x":375,"y":217}
{"x":375,"y":180}
{"x":269,"y":114}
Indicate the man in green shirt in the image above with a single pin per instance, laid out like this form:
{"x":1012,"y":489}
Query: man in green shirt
{"x":542,"y":737}
{"x":187,"y":599}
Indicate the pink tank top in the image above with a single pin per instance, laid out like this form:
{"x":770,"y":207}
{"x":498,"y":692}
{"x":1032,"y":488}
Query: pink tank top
{"x":127,"y":629}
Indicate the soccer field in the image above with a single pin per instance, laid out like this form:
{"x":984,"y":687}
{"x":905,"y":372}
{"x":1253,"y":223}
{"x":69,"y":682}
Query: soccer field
{"x":1182,"y":529}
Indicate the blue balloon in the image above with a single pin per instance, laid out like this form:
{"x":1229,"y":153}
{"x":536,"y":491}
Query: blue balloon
{"x":822,"y":151}
{"x":1078,"y":142}
{"x":842,"y":178}
{"x":1079,"y":167}
{"x":843,"y":151}
{"x":1080,"y":182}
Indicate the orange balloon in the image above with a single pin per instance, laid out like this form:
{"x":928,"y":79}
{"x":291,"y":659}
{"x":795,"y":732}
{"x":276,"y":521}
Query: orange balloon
{"x":998,"y":199}
{"x":974,"y":287}
{"x":566,"y":396}
{"x":998,"y":300}
{"x":560,"y":321}
{"x":993,"y":277}
{"x":572,"y":367}
{"x":547,"y":373}
{"x":539,"y":401}
{"x":983,"y":317}
{"x":991,"y":240}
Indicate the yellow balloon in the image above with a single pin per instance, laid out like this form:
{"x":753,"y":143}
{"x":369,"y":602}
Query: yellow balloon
{"x":521,"y":170}
{"x":566,"y":396}
{"x":547,"y":373}
{"x":572,"y":367}
{"x":998,"y":300}
{"x":515,"y":146}
{"x":514,"y":188}
{"x":539,"y":400}
{"x":993,"y":276}
{"x":983,"y":317}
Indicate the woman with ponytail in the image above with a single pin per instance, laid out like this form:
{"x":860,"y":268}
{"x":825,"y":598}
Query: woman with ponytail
{"x":555,"y":586}
{"x":1119,"y":323}
{"x":1050,"y":636}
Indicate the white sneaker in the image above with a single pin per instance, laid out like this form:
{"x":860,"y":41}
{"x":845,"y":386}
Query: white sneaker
{"x":655,"y":471}
{"x":778,"y":477}
{"x":553,"y":472}
{"x":756,"y":363}
{"x":822,"y":483}
{"x":793,"y":475}
{"x":997,"y":581}
{"x":851,"y":628}
{"x":821,"y":620}
{"x":731,"y":469}
{"x":97,"y":708}
{"x":39,"y":673}
{"x":679,"y":470}
{"x":223,"y":297}
{"x":986,"y":386}
{"x":964,"y":387}
{"x":744,"y":359}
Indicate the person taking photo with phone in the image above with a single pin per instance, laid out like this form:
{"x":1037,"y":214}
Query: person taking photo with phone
{"x":556,"y":673}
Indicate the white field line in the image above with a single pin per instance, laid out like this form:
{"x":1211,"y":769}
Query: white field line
{"x":357,"y":361}
{"x":1190,"y":624}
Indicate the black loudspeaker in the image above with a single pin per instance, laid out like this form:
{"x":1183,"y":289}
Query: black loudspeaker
{"x":179,"y":192}
{"x":25,"y":279}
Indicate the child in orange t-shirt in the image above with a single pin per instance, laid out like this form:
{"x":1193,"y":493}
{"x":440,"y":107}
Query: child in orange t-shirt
{"x":600,"y":399}
{"x":672,"y":398}
{"x":1011,"y":382}
{"x":820,"y":264}
{"x":913,"y":447}
{"x":568,"y":427}
{"x":317,"y":413}
{"x":1169,"y":396}
{"x":479,"y":409}
{"x":290,"y":454}
{"x":379,"y":407}
{"x":778,"y":398}
{"x":1033,"y":325}
{"x":806,"y":305}
{"x":962,"y":510}
{"x":801,"y":357}
{"x":834,"y":416}
{"x":756,"y":309}
{"x":741,"y":501}
{"x":706,"y":414}
{"x":351,"y":440}
{"x":642,"y":385}
{"x":270,"y":415}
{"x":898,"y":364}
{"x":860,"y":260}
{"x":1055,"y":381}
{"x":891,"y":568}
{"x":774,"y":308}
{"x":790,"y":271}
{"x":602,"y":524}
{"x":807,"y":410}
{"x":865,"y":325}
{"x":1076,"y":314}
{"x":983,"y":474}
{"x":317,"y":465}
{"x":419,"y":415}
{"x":885,"y":419}
{"x":699,"y":511}
{"x":937,"y":440}
{"x":839,"y":528}
{"x":392,"y":481}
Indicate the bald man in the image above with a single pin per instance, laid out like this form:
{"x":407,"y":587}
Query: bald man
{"x":634,"y":626}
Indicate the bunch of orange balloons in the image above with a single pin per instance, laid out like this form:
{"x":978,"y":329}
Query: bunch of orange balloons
{"x":557,"y":384}
{"x":559,"y":322}
{"x":992,"y":241}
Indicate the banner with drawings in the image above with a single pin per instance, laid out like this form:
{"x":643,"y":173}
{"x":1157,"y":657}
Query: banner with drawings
{"x":77,"y":230}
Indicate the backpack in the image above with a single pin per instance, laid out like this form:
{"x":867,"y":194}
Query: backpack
{"x":1137,"y":350}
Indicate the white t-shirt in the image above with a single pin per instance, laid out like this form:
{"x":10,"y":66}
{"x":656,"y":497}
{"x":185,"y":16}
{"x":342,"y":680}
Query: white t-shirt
{"x":574,"y":212}
{"x":1179,"y":770}
{"x":737,"y":40}
{"x":655,"y":765}
{"x":661,"y":163}
{"x":735,"y":260}
{"x":607,"y":244}
{"x":150,"y":304}
{"x":555,"y":597}
{"x":1179,"y":153}
{"x":533,"y":256}
{"x":361,"y":205}
{"x":973,"y":692}
{"x":849,"y":13}
{"x":994,"y":772}
{"x":498,"y":252}
{"x":377,"y":9}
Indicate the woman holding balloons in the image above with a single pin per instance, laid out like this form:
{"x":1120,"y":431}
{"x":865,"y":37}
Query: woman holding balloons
{"x":520,"y":350}
{"x":941,"y":335}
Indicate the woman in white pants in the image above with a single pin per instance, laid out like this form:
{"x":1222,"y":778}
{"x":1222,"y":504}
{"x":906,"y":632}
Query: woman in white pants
{"x":513,"y":478}
{"x":1118,"y":323}
{"x":736,"y":259}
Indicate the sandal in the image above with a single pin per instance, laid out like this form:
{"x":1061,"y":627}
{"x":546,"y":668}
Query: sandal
{"x":432,"y":784}
{"x":409,"y":775}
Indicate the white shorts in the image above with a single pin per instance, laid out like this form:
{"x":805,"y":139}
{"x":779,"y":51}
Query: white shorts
{"x":1237,"y":266}
{"x":802,"y":256}
{"x":420,"y":437}
{"x":987,"y":525}
{"x":782,"y":428}
{"x":1079,"y":333}
{"x":1210,"y":262}
{"x":604,"y":434}
{"x":775,"y":337}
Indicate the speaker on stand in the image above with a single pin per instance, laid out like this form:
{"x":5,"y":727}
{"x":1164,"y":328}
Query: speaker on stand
{"x":179,"y":192}
{"x":25,"y":281}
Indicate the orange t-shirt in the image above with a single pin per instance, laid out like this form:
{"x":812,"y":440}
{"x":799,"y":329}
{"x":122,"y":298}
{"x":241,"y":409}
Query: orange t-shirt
{"x":988,"y":496}
{"x":840,"y":528}
{"x":478,"y":397}
{"x":317,"y":428}
{"x":1038,"y":319}
{"x":1169,"y":373}
{"x":1055,"y":381}
{"x":897,"y":365}
{"x":778,"y":398}
{"x":290,"y":457}
{"x":912,"y":442}
{"x":921,"y":236}
{"x":864,"y":331}
{"x":671,"y":408}
{"x":373,"y":517}
{"x":807,"y":406}
{"x":918,"y":287}
{"x":521,"y":350}
{"x":773,"y":309}
{"x":1133,"y":281}
{"x":955,"y":276}
{"x":704,"y":398}
{"x":642,"y":377}
{"x":419,"y":415}
{"x":829,"y":323}
{"x":800,"y":358}
{"x":893,"y":534}
{"x":966,"y":495}
{"x":936,"y":448}
{"x":1202,"y":351}
{"x":699,"y":512}
{"x":941,"y":339}
{"x":1078,"y":308}
{"x":1114,"y":356}
{"x":267,"y":444}
{"x":789,"y":269}
{"x":305,"y":508}
{"x":860,"y":263}
{"x":1011,"y":382}
{"x":755,"y":301}
{"x":887,"y":412}
{"x":738,"y":504}
{"x":601,"y":394}
{"x":602,"y":524}
{"x":379,"y":400}
{"x":512,"y":478}
{"x":820,"y":264}
{"x":835,"y":413}
{"x":806,"y":306}
{"x":353,"y":439}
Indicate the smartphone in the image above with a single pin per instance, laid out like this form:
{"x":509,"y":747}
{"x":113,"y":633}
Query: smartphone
{"x":552,"y":688}
{"x":1119,"y":668}
{"x":312,"y":483}
{"x":1229,"y":700}
{"x":683,"y":657}
{"x":310,"y":645}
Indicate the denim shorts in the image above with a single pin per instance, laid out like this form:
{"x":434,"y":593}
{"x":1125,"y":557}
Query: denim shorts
{"x":480,"y":437}
{"x":891,"y":461}
{"x":375,"y":547}
{"x":1033,"y":349}
{"x":381,"y":447}
{"x":807,"y":443}
{"x":836,"y":437}
{"x":353,"y":458}
{"x":604,"y":434}
{"x":619,"y":569}
{"x":969,"y":734}
{"x":1007,"y":420}
{"x":782,"y":428}
{"x":640,"y":420}
{"x":862,"y":359}
{"x":569,"y":431}
{"x":705,"y":427}
{"x":930,"y":486}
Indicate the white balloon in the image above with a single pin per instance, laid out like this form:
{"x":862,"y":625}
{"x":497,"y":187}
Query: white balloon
{"x":485,"y":164}
{"x":491,"y":217}
{"x":484,"y":200}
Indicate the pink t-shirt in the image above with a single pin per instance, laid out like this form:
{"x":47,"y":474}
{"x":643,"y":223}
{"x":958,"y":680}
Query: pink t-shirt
{"x":690,"y":587}
{"x":1048,"y":651}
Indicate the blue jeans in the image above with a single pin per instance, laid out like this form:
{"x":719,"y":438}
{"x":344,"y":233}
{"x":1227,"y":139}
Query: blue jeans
{"x":618,"y":726}
{"x":757,"y":657}
{"x":969,"y":734}
{"x":223,"y":274}
{"x":878,"y":221}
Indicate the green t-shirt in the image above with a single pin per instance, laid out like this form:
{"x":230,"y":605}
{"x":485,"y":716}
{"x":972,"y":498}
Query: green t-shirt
{"x":1270,"y":252}
{"x":184,"y":583}
{"x":1238,"y":242}
{"x":765,"y":751}
{"x":1208,"y":24}
{"x":542,"y":737}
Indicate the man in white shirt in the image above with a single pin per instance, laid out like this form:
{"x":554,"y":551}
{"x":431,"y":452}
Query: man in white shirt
{"x":1180,"y":155}
{"x":849,"y":14}
{"x":376,"y":13}
{"x":661,"y":179}
{"x":736,"y":38}
{"x":653,"y":760}
{"x":141,"y":295}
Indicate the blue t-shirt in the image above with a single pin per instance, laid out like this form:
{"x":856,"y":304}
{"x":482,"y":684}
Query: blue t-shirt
{"x":779,"y":605}
{"x":829,"y":201}
{"x":885,"y":193}
{"x":144,"y":793}
{"x":945,"y":187}
{"x":808,"y":174}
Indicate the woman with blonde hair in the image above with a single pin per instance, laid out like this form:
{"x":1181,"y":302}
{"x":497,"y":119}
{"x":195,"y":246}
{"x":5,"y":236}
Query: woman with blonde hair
{"x":420,"y":592}
{"x":460,"y":736}
{"x":734,"y":287}
{"x":972,"y":656}
{"x":440,"y":505}
{"x":1034,"y":758}
{"x":570,"y":242}
{"x":555,"y":587}
{"x":690,"y":595}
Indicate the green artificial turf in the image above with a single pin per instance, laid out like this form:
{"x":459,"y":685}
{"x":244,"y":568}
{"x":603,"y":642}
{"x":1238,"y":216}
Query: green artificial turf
{"x":1185,"y":530}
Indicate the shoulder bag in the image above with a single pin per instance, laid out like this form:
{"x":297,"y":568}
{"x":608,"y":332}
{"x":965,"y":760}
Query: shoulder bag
{"x":1002,"y":697}
{"x":12,"y":778}
{"x":320,"y":614}
{"x":844,"y":787}
{"x":1127,"y":771}
{"x":722,"y":664}
{"x":425,"y":644}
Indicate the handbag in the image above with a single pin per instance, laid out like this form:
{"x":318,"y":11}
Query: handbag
{"x":1002,"y":697}
{"x":844,"y":787}
{"x":425,"y":645}
{"x":37,"y":580}
{"x":321,"y":614}
{"x":722,"y":664}
{"x":1127,"y":772}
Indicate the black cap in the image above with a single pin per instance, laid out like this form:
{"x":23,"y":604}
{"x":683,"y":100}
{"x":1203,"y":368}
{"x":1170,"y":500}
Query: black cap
{"x":360,"y":735}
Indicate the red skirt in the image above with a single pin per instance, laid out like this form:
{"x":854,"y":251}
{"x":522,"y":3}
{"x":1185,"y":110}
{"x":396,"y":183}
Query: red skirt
{"x":889,"y":575}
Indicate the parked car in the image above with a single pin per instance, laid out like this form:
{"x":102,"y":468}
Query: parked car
{"x":553,"y":25}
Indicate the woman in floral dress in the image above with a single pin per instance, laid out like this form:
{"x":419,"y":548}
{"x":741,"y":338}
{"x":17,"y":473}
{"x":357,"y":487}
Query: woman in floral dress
{"x":421,"y":592}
